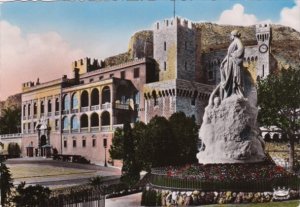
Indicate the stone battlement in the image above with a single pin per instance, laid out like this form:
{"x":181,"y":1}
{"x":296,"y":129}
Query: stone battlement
{"x":177,"y":21}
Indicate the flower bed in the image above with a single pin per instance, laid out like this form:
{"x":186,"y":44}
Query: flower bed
{"x":239,"y":177}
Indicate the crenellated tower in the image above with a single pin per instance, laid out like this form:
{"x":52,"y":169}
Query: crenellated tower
{"x":263,"y":35}
{"x":175,"y":49}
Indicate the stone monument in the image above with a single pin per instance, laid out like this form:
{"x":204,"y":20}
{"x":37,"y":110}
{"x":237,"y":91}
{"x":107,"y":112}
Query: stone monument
{"x":229,"y":133}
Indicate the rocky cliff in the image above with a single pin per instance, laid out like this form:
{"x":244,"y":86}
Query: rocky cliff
{"x":14,"y":100}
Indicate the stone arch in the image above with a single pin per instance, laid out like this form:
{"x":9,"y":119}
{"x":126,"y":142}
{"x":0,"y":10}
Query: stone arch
{"x":65,"y":123}
{"x":95,"y":97}
{"x":84,"y":99}
{"x":105,"y":118}
{"x":84,"y":122}
{"x":94,"y":120}
{"x":66,"y":102}
{"x":105,"y":96}
{"x":74,"y":101}
{"x":74,"y":123}
{"x":29,"y":109}
{"x":34,"y":108}
{"x":123,"y":94}
{"x":56,"y":104}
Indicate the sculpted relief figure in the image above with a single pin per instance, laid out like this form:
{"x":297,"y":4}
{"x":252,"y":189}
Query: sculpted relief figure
{"x":231,"y":66}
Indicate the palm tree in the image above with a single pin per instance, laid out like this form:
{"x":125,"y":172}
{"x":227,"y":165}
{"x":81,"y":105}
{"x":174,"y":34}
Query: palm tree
{"x":10,"y":120}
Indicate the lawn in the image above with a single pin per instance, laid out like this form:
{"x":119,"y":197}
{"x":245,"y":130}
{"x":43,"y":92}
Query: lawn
{"x":34,"y":170}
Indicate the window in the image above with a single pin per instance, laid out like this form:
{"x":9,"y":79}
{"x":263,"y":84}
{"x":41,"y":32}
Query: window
{"x":165,"y":66}
{"x":65,"y":143}
{"x":74,"y":143}
{"x":34,"y":125}
{"x":210,"y":75}
{"x":111,"y":75}
{"x":122,"y":74}
{"x":34,"y":108}
{"x":42,"y":107}
{"x":91,"y":80}
{"x":101,"y":77}
{"x":56,"y":104}
{"x":83,"y":143}
{"x":29,"y":108}
{"x":94,"y":142}
{"x":165,"y":46}
{"x":49,"y":106}
{"x":29,"y":127}
{"x":56,"y":123}
{"x":24,"y":110}
{"x":136,"y":72}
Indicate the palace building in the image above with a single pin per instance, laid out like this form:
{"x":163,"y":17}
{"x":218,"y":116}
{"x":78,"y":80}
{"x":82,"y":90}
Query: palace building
{"x":173,"y":69}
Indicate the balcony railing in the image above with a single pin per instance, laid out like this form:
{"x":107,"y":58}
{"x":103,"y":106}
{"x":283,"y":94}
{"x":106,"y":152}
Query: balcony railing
{"x":117,"y":126}
{"x":56,"y":113}
{"x":122,"y":106}
{"x":35,"y":116}
{"x":74,"y":130}
{"x":74,"y":111}
{"x":95,"y":129}
{"x":106,"y":106}
{"x":84,"y":129}
{"x":84,"y":109}
{"x":105,"y":128}
{"x":10,"y":136}
{"x":49,"y":113}
{"x":65,"y":112}
{"x":42,"y":114}
{"x":24,"y":117}
{"x":95,"y":107}
{"x":29,"y":117}
{"x":65,"y":131}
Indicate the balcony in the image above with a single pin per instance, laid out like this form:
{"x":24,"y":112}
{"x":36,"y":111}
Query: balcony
{"x":84,"y":129}
{"x":34,"y":116}
{"x":95,"y":129}
{"x":49,"y":113}
{"x":65,"y":131}
{"x":95,"y":108}
{"x":84,"y":109}
{"x":105,"y":128}
{"x":56,"y":113}
{"x":74,"y":130}
{"x":122,"y":106}
{"x":106,"y":106}
{"x":73,"y":111}
{"x":64,"y":112}
{"x":24,"y":117}
{"x":117,"y":126}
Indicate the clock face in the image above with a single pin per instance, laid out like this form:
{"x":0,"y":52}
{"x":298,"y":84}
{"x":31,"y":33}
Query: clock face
{"x":263,"y":48}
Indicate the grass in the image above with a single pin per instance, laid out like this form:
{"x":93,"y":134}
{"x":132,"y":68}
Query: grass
{"x":292,"y":203}
{"x":34,"y":170}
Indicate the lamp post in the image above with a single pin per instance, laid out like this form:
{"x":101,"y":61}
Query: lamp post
{"x":105,"y":146}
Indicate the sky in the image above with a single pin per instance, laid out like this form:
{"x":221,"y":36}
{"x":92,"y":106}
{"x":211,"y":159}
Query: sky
{"x":41,"y":39}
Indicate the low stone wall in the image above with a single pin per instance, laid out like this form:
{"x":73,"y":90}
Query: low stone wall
{"x":191,"y":198}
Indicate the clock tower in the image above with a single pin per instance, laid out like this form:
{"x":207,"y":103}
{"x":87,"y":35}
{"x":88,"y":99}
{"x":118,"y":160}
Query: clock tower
{"x":263,"y":35}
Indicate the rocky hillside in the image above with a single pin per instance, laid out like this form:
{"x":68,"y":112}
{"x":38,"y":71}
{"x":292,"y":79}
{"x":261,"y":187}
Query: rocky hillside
{"x":285,"y":44}
{"x":14,"y":100}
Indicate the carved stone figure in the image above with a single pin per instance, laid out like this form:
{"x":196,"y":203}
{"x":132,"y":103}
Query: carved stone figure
{"x":230,"y":68}
{"x":229,"y":132}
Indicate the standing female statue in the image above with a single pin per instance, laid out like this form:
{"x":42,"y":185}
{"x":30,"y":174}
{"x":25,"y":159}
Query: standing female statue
{"x":231,"y":66}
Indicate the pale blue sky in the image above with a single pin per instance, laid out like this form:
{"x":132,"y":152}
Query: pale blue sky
{"x":48,"y":36}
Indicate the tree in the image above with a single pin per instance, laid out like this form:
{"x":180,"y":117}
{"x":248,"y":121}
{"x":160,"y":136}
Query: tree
{"x":13,"y":150}
{"x":185,"y":133}
{"x":31,"y":196}
{"x":116,"y":149}
{"x":279,"y":103}
{"x":96,"y":182}
{"x":10,"y":121}
{"x":160,"y":147}
{"x":131,"y":169}
{"x":6,"y":182}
